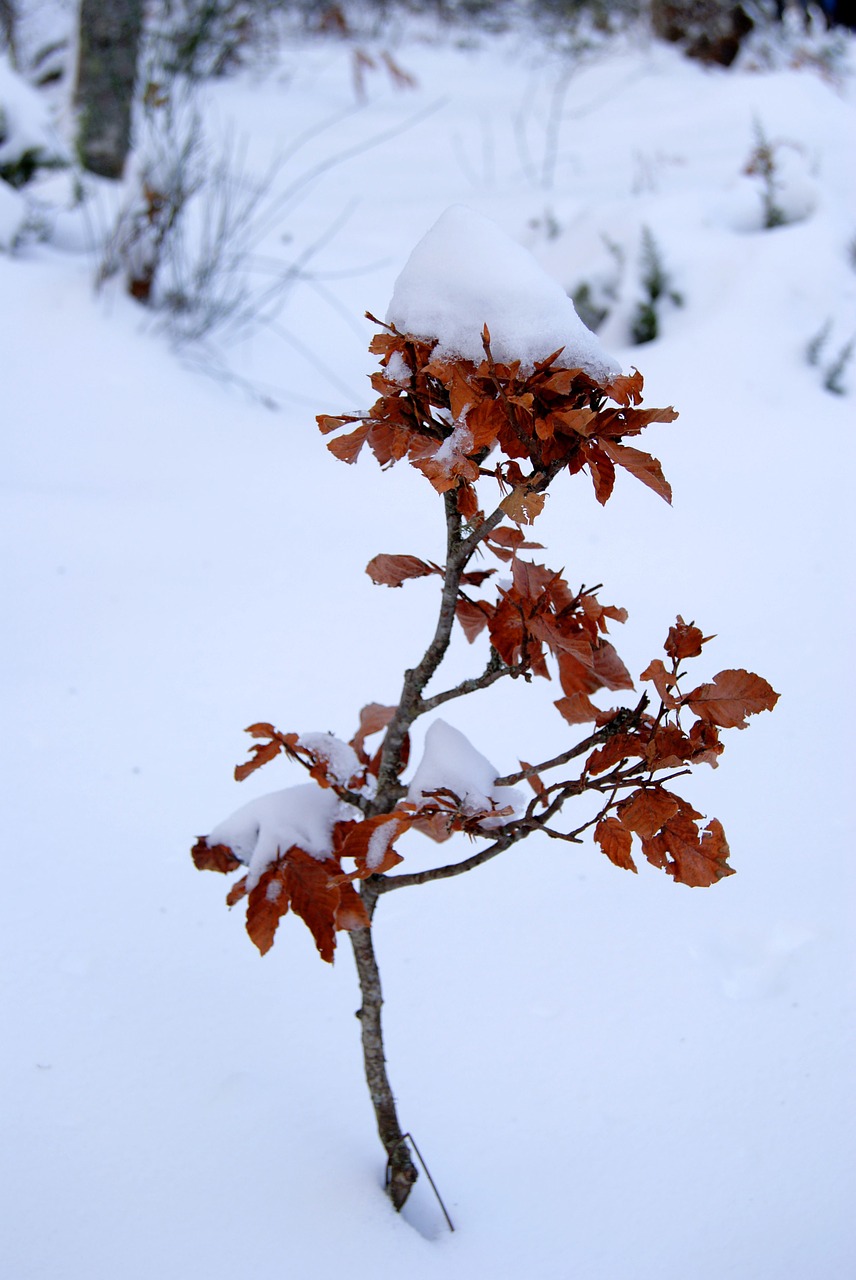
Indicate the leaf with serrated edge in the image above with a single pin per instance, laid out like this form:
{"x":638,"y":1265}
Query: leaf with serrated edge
{"x":730,"y":698}
{"x":615,"y":841}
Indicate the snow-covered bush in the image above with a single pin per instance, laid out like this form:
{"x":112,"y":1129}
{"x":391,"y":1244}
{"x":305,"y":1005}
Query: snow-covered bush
{"x":27,"y":140}
{"x":201,"y":38}
{"x":492,"y":388}
{"x":635,"y":289}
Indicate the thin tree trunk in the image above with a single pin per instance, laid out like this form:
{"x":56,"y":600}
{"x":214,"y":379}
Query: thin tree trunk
{"x":402,"y":1172}
{"x":7,"y":27}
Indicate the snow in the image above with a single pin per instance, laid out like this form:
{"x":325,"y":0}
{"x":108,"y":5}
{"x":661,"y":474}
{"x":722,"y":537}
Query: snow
{"x":13,"y":213}
{"x":24,"y":119}
{"x":260,"y":831}
{"x":342,"y":759}
{"x":451,"y":762}
{"x":466,"y":273}
{"x":610,"y":1076}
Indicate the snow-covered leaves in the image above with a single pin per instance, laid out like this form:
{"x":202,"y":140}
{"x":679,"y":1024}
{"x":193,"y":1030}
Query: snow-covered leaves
{"x":449,"y":416}
{"x":450,"y":409}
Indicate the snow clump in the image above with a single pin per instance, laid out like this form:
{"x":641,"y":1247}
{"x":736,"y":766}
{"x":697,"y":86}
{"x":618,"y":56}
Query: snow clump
{"x":260,"y":831}
{"x":466,"y":273}
{"x":450,"y":762}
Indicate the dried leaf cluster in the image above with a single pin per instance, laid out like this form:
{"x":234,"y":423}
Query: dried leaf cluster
{"x":469,"y":428}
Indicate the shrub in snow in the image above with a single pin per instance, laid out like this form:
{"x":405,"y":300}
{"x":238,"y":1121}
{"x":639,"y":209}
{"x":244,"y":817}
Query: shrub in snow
{"x":781,"y":174}
{"x":710,"y":30}
{"x":657,"y":292}
{"x":27,"y":143}
{"x":493,"y":390}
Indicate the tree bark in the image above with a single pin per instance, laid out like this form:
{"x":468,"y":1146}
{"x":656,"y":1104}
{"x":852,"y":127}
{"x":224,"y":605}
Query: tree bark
{"x":7,"y":27}
{"x":110,"y":32}
{"x":401,"y":1171}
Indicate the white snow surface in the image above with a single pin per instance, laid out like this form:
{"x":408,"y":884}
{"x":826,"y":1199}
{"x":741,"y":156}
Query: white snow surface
{"x":342,"y":760}
{"x":612,"y":1077}
{"x":260,"y":831}
{"x":466,"y":273}
{"x":24,"y":120}
{"x":450,"y":761}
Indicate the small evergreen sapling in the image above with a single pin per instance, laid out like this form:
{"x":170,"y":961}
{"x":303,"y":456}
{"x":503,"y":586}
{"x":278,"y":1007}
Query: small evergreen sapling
{"x":491,"y":433}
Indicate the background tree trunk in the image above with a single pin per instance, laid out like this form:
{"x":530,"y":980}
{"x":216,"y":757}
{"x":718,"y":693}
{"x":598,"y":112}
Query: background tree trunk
{"x":7,"y":27}
{"x":107,"y":70}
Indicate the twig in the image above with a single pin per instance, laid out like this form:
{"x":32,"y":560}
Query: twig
{"x":421,"y":1159}
{"x":616,"y":725}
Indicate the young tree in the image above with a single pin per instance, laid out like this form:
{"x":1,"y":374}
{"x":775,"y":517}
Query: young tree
{"x":110,"y":32}
{"x":492,"y":388}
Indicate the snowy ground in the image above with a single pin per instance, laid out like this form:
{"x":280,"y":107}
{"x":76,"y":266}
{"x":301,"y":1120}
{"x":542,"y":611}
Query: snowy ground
{"x":612,"y":1077}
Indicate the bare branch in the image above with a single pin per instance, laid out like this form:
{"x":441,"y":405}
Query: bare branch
{"x":495,"y":670}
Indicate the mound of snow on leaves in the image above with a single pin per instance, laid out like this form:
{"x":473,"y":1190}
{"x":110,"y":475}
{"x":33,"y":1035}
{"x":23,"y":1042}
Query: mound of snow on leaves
{"x":465,"y":273}
{"x":260,"y":831}
{"x":450,"y":762}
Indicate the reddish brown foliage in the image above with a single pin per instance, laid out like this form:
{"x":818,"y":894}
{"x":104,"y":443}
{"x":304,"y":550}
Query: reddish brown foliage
{"x":450,"y":419}
{"x":446,"y":416}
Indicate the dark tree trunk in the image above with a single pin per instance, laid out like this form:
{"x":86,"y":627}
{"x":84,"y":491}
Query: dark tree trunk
{"x":110,"y":33}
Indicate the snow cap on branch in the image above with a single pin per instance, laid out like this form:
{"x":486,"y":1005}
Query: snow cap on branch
{"x":450,"y":762}
{"x":466,"y":273}
{"x":260,"y":831}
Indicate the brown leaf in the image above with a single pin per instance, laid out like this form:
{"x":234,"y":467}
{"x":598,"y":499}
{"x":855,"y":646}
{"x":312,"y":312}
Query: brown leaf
{"x":692,"y":858}
{"x":473,"y":617}
{"x":684,"y":640}
{"x":533,"y":779}
{"x":645,"y":811}
{"x":370,"y":843}
{"x":617,"y":748}
{"x":347,"y":448}
{"x":314,"y":896}
{"x":731,"y":697}
{"x":215,"y":857}
{"x":602,"y":473}
{"x":266,"y":905}
{"x":626,"y":389}
{"x":615,"y":841}
{"x":523,"y":506}
{"x":577,"y":709}
{"x":373,"y":718}
{"x":326,"y":423}
{"x":237,"y":892}
{"x":392,"y":571}
{"x":351,"y":913}
{"x":436,"y":826}
{"x":263,"y":753}
{"x":639,"y":464}
{"x":608,"y":667}
{"x":466,"y":500}
{"x":505,"y":542}
{"x":662,"y":680}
